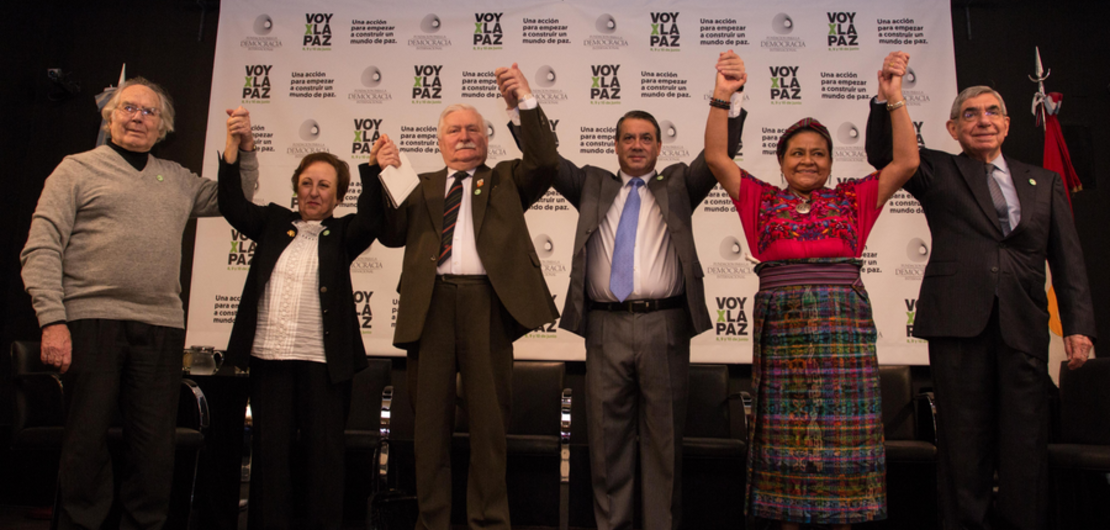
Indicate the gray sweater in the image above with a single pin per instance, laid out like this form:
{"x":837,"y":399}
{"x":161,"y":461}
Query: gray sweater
{"x":105,"y":239}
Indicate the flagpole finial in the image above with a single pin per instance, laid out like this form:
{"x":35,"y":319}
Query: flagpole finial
{"x":1039,"y":70}
{"x":1039,"y":96}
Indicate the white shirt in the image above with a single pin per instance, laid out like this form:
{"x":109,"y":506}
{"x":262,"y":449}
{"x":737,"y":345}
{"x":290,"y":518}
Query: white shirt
{"x":1001,"y":175}
{"x":655,"y":269}
{"x":464,"y":257}
{"x":290,"y":322}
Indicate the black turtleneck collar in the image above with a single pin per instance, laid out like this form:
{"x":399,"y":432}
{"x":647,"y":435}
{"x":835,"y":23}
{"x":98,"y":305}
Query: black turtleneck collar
{"x":137,"y":160}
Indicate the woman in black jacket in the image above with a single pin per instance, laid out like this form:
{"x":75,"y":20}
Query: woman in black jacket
{"x":298,"y":331}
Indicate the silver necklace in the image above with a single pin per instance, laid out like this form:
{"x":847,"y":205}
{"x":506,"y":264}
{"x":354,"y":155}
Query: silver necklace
{"x":802,"y":205}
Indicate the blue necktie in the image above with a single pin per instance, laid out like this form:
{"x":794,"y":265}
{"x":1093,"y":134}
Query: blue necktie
{"x":624,"y":249}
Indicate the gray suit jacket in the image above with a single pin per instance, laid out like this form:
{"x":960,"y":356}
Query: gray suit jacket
{"x":972,"y":262}
{"x":592,"y":190}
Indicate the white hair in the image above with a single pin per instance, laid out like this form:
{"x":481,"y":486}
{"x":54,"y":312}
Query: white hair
{"x":456,"y":108}
{"x":165,"y":106}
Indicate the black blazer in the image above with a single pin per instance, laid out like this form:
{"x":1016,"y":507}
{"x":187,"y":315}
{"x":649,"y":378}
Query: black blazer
{"x":344,"y":239}
{"x":971,"y":261}
{"x":679,"y":192}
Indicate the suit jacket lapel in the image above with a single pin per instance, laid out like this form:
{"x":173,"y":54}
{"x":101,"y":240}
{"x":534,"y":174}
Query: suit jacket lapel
{"x":434,"y":191}
{"x":657,"y":184}
{"x":976,"y":177}
{"x":479,"y":195}
{"x":1024,"y":185}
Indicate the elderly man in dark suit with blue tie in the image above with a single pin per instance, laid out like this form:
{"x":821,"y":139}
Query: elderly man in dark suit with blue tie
{"x":636,"y":294}
{"x":983,"y":308}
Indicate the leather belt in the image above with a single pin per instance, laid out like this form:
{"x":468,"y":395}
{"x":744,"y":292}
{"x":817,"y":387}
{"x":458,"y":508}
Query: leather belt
{"x":640,"y":306}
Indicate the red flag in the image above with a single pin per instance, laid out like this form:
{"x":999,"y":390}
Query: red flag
{"x":1056,"y":157}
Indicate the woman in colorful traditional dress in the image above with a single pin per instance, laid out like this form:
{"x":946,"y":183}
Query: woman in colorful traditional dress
{"x":816,"y":449}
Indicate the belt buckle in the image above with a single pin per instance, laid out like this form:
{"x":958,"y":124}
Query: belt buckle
{"x":639,"y":306}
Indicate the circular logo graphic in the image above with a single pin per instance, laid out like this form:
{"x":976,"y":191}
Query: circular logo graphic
{"x":309,"y":130}
{"x":782,"y":24}
{"x":917,"y":250}
{"x":545,"y":247}
{"x":263,"y":25}
{"x":489,"y":130}
{"x":731,"y":249}
{"x":545,"y":76}
{"x":668,"y":132}
{"x":910,"y":79}
{"x":847,"y":134}
{"x":430,"y":24}
{"x":371,"y":77}
{"x":606,"y":23}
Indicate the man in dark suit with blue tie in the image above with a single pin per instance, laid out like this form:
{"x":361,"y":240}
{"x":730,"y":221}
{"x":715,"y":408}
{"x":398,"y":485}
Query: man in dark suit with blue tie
{"x":636,"y":294}
{"x":994,"y":222}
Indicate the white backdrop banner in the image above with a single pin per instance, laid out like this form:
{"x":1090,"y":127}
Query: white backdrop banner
{"x":333,"y":75}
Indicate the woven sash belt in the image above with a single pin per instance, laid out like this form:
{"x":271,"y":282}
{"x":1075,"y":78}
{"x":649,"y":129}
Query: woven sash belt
{"x":809,"y":274}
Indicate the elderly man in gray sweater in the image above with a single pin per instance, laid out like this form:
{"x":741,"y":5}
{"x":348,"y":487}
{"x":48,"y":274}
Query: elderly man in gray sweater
{"x":101,"y":264}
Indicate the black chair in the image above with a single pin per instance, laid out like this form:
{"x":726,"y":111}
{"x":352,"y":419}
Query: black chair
{"x":39,"y":422}
{"x":1079,"y":458}
{"x":539,"y":427}
{"x":388,"y":508}
{"x":908,"y":418}
{"x":909,"y":426}
{"x":364,"y":431}
{"x":714,"y":450}
{"x":716,"y":425}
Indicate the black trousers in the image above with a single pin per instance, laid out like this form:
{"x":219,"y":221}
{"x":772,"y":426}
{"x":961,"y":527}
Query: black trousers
{"x":287,"y":396}
{"x":992,"y":416}
{"x":468,"y":332}
{"x":136,"y":368}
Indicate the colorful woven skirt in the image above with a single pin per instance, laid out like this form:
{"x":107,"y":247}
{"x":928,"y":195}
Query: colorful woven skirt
{"x":816,"y":453}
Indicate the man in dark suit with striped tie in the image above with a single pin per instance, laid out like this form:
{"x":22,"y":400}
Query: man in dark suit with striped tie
{"x":471,"y":285}
{"x":983,"y":308}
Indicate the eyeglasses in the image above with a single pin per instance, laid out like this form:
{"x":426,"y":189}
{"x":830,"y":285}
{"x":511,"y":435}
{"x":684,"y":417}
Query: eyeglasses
{"x":973,"y":114}
{"x":128,"y":109}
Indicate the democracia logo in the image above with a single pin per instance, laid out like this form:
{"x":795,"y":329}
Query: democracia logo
{"x":430,"y":25}
{"x":261,"y":40}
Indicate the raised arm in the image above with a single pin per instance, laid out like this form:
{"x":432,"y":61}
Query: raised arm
{"x":904,"y":141}
{"x":570,"y":178}
{"x":239,"y":152}
{"x":730,"y":79}
{"x":394,"y":223}
{"x":367,"y":221}
{"x":245,"y":216}
{"x":537,"y":169}
{"x":239,"y":134}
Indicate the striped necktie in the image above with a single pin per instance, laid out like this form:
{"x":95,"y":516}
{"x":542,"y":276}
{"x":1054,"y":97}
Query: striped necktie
{"x":451,"y":215}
